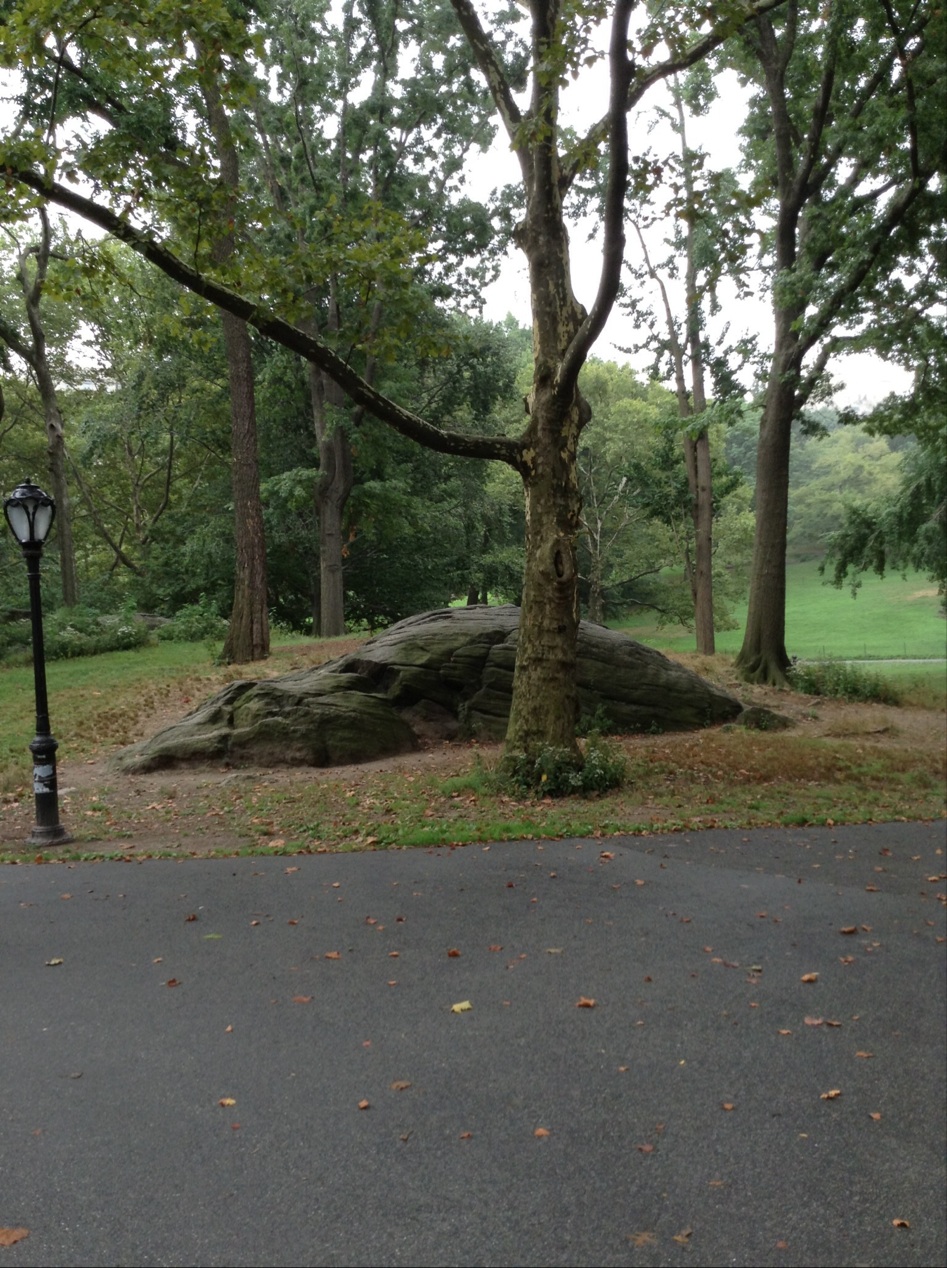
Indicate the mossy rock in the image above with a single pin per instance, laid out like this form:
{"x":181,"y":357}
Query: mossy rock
{"x":431,"y":677}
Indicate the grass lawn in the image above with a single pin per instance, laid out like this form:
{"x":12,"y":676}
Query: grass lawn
{"x":839,"y":764}
{"x":890,"y":618}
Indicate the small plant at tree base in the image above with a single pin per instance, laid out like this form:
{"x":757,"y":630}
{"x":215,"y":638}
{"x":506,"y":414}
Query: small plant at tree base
{"x":553,"y":772}
{"x":843,"y":681}
{"x":597,"y":723}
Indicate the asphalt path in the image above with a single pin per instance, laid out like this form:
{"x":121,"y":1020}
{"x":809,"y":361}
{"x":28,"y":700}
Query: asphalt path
{"x":257,"y":1061}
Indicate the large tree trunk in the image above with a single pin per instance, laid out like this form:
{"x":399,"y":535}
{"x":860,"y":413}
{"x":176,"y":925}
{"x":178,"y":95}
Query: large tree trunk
{"x":545,"y":706}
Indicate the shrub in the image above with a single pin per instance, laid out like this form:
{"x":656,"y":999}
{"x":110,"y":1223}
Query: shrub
{"x":70,"y":632}
{"x":194,"y":623}
{"x":552,"y":772}
{"x":843,"y":681}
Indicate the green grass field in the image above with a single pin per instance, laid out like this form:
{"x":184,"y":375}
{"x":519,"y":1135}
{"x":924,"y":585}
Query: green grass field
{"x":892,"y":618}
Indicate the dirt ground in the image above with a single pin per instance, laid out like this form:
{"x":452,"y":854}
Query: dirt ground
{"x":85,"y":785}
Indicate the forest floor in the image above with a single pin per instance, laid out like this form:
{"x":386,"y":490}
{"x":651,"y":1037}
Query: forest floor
{"x":839,"y":762}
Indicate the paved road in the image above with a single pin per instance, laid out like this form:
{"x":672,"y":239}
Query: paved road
{"x":305,"y":986}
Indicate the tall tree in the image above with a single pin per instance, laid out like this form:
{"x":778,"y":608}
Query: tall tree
{"x":845,"y":145}
{"x":545,"y":703}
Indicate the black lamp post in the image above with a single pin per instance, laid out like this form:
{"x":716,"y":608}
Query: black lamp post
{"x":30,"y":513}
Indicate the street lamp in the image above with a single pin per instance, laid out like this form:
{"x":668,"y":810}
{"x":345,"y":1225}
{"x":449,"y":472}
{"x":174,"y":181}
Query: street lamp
{"x":30,"y":513}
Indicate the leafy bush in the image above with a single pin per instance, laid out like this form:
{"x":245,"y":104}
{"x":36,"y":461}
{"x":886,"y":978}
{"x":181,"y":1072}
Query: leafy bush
{"x":552,"y":772}
{"x":70,"y":632}
{"x":194,"y":623}
{"x":843,"y":681}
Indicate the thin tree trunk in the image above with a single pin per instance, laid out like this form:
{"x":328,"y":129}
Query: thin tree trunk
{"x":336,"y":478}
{"x":35,"y":356}
{"x":763,"y":657}
{"x":248,"y":637}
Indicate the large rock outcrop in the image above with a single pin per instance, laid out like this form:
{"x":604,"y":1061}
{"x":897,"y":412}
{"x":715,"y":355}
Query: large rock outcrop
{"x":435,"y":676}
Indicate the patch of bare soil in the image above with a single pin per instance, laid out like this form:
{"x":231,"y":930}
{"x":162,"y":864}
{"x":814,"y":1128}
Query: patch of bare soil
{"x":152,"y":812}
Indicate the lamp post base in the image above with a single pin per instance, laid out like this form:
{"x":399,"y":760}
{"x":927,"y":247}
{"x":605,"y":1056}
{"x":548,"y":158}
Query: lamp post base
{"x":54,"y":835}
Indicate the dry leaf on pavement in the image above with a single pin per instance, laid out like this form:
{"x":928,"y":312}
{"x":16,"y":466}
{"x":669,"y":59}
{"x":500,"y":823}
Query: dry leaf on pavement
{"x":10,"y":1236}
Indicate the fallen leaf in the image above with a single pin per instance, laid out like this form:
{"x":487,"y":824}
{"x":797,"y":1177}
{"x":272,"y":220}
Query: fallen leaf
{"x":584,"y":1002}
{"x":173,"y":981}
{"x":453,"y":953}
{"x":292,"y":922}
{"x":639,"y":882}
{"x":234,"y":1127}
{"x":716,"y":1184}
{"x":784,"y":1032}
{"x":728,"y":1106}
{"x":866,"y":1055}
{"x":829,"y":1021}
{"x":782,"y":1245}
{"x":332,"y":955}
{"x":645,"y":1149}
{"x":495,"y":947}
{"x":364,"y":1104}
{"x":10,"y":1236}
{"x":288,"y":870}
{"x":393,"y":982}
{"x":51,"y":964}
{"x":228,"y":1030}
{"x":830,"y":1096}
{"x":848,"y":929}
{"x":189,"y":918}
{"x":623,"y":1069}
{"x":393,"y":955}
{"x":65,"y":896}
{"x":875,"y":1117}
{"x":541,"y":1132}
{"x":554,"y":950}
{"x":463,"y":1007}
{"x":226,"y":1102}
{"x":641,"y":1239}
{"x":302,"y":999}
{"x":815,"y":1021}
{"x":400,"y":1085}
{"x":683,"y":1237}
{"x":901,"y":1223}
{"x":871,"y":889}
{"x":466,"y":1135}
{"x":254,"y":923}
{"x":809,"y":977}
{"x":607,"y":854}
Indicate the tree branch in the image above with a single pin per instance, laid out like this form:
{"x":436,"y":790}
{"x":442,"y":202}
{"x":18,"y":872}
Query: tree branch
{"x":496,"y":448}
{"x":613,"y":218}
{"x":648,"y":76}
